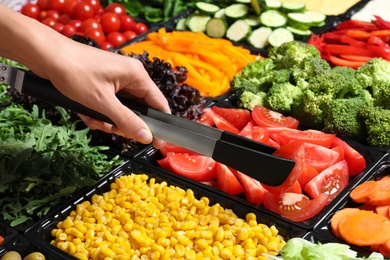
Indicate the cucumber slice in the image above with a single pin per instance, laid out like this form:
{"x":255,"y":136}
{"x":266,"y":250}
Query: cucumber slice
{"x":238,"y":31}
{"x":236,"y":11}
{"x":293,"y":7}
{"x":259,"y":37}
{"x":299,"y":34}
{"x":243,"y":1}
{"x":318,"y":19}
{"x":253,"y":20}
{"x":197,"y":22}
{"x":273,"y":19}
{"x":181,"y":24}
{"x":220,"y":13}
{"x":207,"y":8}
{"x":273,"y":4}
{"x":216,"y":28}
{"x":299,"y":21}
{"x":279,"y":36}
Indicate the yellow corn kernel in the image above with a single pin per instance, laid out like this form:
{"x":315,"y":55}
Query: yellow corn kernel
{"x":80,"y":256}
{"x":67,"y":223}
{"x":238,"y":251}
{"x":73,"y":231}
{"x":220,"y":235}
{"x":226,"y":253}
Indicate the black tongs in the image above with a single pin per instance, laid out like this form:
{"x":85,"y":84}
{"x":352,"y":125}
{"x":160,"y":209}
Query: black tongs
{"x":250,"y":157}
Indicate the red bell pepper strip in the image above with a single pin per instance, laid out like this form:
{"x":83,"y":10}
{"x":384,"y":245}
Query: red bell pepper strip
{"x":381,"y":23}
{"x":342,"y":62}
{"x":345,"y":49}
{"x":353,"y":42}
{"x":355,"y":57}
{"x":358,"y":34}
{"x":356,"y":24}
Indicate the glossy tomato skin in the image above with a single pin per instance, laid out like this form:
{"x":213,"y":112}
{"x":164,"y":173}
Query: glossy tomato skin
{"x":331,"y":181}
{"x":106,"y":45}
{"x":222,"y":124}
{"x":115,"y":8}
{"x":236,"y":116}
{"x":127,"y":23}
{"x":90,"y":23}
{"x":129,"y":35}
{"x":110,"y":22}
{"x":49,"y":22}
{"x":196,"y":167}
{"x":96,"y":5}
{"x":69,"y":6}
{"x":207,"y":117}
{"x":356,"y":161}
{"x":269,"y":118}
{"x":227,"y":181}
{"x":140,"y":28}
{"x":310,"y":136}
{"x":253,"y":189}
{"x":320,"y":157}
{"x":82,"y":11}
{"x":169,"y":147}
{"x":96,"y":35}
{"x":116,"y":38}
{"x":56,"y":5}
{"x":294,"y":206}
{"x":42,"y":4}
{"x":69,"y":30}
{"x":31,"y":10}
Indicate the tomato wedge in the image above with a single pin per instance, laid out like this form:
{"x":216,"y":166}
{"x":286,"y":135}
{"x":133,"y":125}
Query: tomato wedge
{"x":196,"y":167}
{"x":307,"y":174}
{"x":207,"y":117}
{"x":253,"y":189}
{"x":259,"y":134}
{"x":356,"y":161}
{"x":294,"y":206}
{"x":169,"y":147}
{"x":227,"y":181}
{"x":320,"y":157}
{"x":222,"y":124}
{"x":309,"y":136}
{"x":268,"y":118}
{"x":236,"y":116}
{"x":247,"y":128}
{"x":331,"y":181}
{"x":164,"y":163}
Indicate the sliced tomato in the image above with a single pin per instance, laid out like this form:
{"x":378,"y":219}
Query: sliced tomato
{"x":207,"y":117}
{"x":253,"y":190}
{"x":222,"y":124}
{"x":331,"y":181}
{"x":227,"y":181}
{"x":341,"y":152}
{"x":211,"y":183}
{"x":309,"y":136}
{"x":268,"y":118}
{"x":247,"y":128}
{"x":320,"y":157}
{"x":295,"y":188}
{"x":196,"y":167}
{"x":288,"y":150}
{"x":165,"y":164}
{"x":169,"y":147}
{"x":259,"y":134}
{"x":294,"y":206}
{"x":307,"y":174}
{"x":236,"y":116}
{"x":356,"y":162}
{"x":274,"y":144}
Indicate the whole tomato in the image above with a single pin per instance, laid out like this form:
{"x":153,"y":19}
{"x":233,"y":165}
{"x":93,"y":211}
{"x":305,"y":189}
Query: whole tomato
{"x":57,"y":5}
{"x":53,"y":14}
{"x":42,"y":4}
{"x":140,"y":28}
{"x":76,"y":23}
{"x":69,"y":30}
{"x":64,"y":19}
{"x":90,"y":23}
{"x":116,"y":38}
{"x":95,"y":4}
{"x":127,"y":23}
{"x":69,"y":6}
{"x":82,"y":11}
{"x":115,"y":8}
{"x":31,"y":10}
{"x":49,"y":22}
{"x":95,"y":34}
{"x":129,"y":35}
{"x":110,"y":22}
{"x":106,"y":45}
{"x":58,"y":27}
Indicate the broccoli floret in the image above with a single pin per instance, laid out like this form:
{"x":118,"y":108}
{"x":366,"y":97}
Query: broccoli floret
{"x":377,"y":123}
{"x":254,"y":77}
{"x":280,"y":97}
{"x":310,"y":67}
{"x":280,"y":76}
{"x":343,"y":116}
{"x":249,"y":99}
{"x":349,"y":84}
{"x":292,"y":53}
{"x":375,"y":76}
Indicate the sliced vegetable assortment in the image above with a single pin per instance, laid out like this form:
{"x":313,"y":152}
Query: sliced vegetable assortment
{"x":269,"y":23}
{"x":211,"y":63}
{"x":369,"y":223}
{"x":320,"y":173}
{"x":352,"y":43}
{"x":109,"y":26}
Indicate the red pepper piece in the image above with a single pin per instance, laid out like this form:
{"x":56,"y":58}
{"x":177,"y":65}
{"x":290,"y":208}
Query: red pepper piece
{"x":352,"y":41}
{"x":358,"y":34}
{"x":355,"y":57}
{"x":342,"y":62}
{"x":356,"y":24}
{"x":345,"y":49}
{"x":381,"y":23}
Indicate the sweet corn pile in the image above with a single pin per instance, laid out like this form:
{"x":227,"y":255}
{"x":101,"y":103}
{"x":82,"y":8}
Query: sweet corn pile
{"x":138,"y":219}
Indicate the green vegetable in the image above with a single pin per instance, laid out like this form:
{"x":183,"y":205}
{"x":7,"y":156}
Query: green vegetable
{"x":299,"y":248}
{"x":43,"y":164}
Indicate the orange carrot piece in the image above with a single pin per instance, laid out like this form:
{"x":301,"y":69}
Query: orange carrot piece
{"x":382,"y":194}
{"x":384,"y":248}
{"x":338,"y":216}
{"x":363,"y":192}
{"x":383,"y":210}
{"x":364,"y":228}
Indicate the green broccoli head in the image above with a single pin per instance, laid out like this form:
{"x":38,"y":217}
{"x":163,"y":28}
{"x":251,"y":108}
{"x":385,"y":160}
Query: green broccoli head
{"x":343,"y":116}
{"x":292,"y":53}
{"x":377,"y":122}
{"x":375,"y":76}
{"x":349,"y":84}
{"x":254,"y":77}
{"x":310,"y":67}
{"x":282,"y":96}
{"x":249,"y":99}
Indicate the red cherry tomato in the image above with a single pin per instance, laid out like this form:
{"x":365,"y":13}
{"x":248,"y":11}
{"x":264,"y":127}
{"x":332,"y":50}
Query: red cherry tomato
{"x":49,"y":22}
{"x":90,"y":23}
{"x":116,"y":38}
{"x":82,"y":11}
{"x":106,"y":45}
{"x":42,"y":15}
{"x":140,"y":28}
{"x":127,"y":23}
{"x":58,"y":27}
{"x":129,"y":35}
{"x":95,"y":34}
{"x":95,"y":4}
{"x":31,"y":10}
{"x":53,"y":14}
{"x":110,"y":22}
{"x":115,"y":8}
{"x":57,"y":5}
{"x":69,"y":6}
{"x":42,"y":4}
{"x":69,"y":30}
{"x":64,"y":19}
{"x":76,"y":24}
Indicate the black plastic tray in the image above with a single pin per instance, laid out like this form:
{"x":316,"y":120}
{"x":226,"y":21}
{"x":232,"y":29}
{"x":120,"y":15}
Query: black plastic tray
{"x":7,"y":233}
{"x":381,"y":169}
{"x":40,"y":232}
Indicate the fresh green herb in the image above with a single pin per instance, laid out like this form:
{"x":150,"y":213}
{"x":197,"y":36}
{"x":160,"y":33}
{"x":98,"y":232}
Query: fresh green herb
{"x":43,"y":164}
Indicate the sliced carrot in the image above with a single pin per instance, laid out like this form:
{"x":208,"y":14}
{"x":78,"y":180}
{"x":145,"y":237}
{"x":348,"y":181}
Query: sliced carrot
{"x":364,"y":228}
{"x":383,"y":210}
{"x":363,"y":192}
{"x":384,"y":248}
{"x":382,"y":194}
{"x":338,"y":216}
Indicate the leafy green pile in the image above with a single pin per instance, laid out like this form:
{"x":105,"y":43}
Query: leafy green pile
{"x":295,"y":81}
{"x":42,"y":164}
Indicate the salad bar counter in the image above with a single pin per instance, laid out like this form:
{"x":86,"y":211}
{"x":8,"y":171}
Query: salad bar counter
{"x":312,"y":87}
